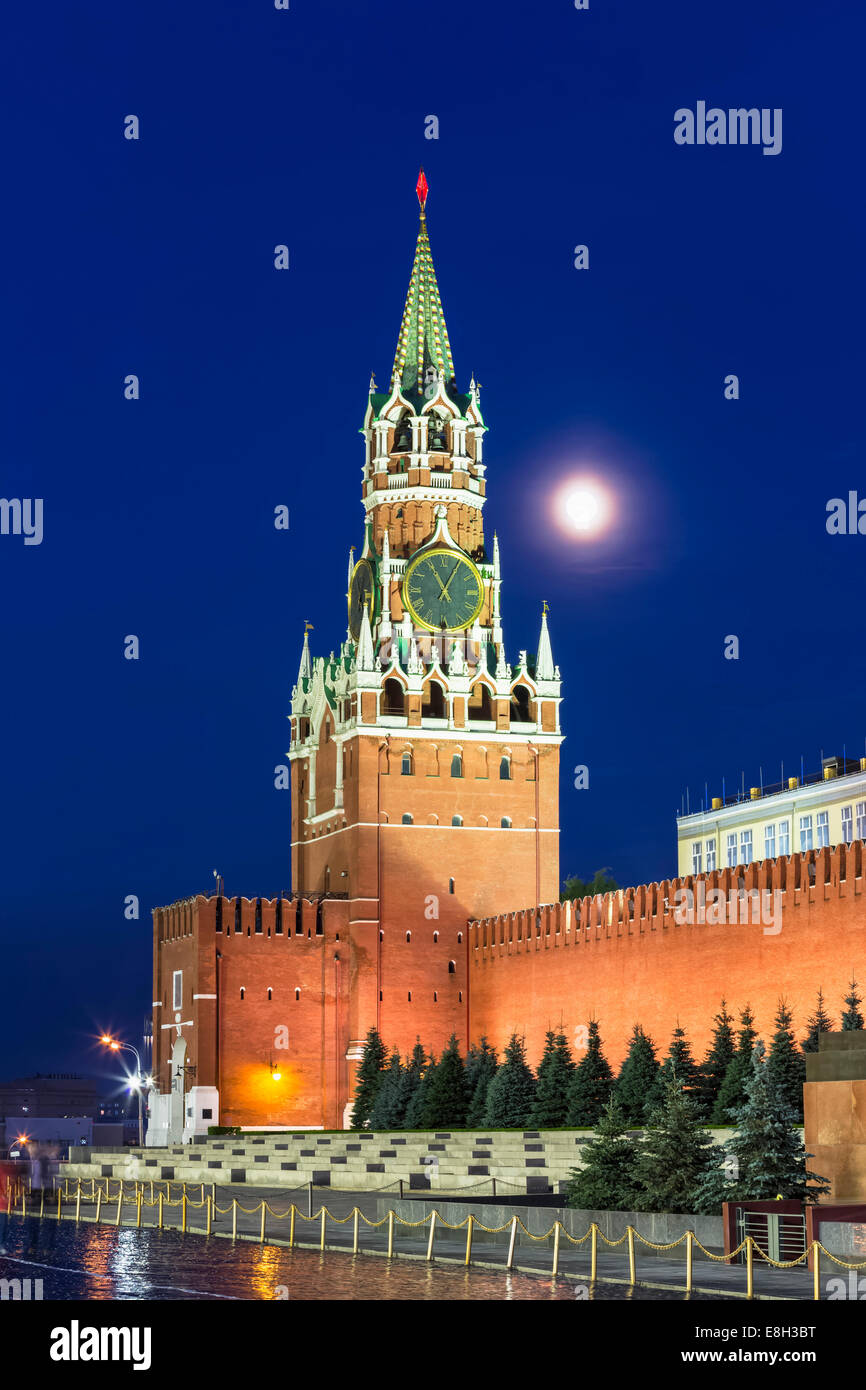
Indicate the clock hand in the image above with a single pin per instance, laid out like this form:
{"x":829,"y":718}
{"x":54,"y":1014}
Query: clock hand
{"x":445,"y":593}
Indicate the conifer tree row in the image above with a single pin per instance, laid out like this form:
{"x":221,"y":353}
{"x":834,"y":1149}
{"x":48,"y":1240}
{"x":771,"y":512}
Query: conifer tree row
{"x":481,"y":1091}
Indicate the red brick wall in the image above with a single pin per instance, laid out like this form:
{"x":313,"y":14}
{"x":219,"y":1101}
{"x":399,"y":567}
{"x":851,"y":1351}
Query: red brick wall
{"x":644,"y":968}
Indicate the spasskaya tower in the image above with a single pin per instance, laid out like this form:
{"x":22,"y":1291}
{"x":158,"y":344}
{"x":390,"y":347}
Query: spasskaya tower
{"x":425,"y":763}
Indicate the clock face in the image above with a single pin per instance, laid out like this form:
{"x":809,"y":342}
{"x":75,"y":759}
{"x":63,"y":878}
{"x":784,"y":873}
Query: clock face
{"x":443,"y":589}
{"x":360,"y":596}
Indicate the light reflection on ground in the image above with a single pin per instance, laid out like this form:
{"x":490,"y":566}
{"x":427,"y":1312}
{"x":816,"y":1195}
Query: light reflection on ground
{"x":100,"y":1262}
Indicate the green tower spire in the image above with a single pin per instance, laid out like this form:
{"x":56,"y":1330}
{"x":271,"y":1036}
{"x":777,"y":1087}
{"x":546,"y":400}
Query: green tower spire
{"x":423,"y":341}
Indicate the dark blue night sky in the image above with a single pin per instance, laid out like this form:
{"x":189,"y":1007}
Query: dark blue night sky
{"x":306,"y":127}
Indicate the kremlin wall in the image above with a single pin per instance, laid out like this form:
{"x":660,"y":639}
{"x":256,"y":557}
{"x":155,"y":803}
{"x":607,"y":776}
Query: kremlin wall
{"x":623,"y":958}
{"x":293,"y":964}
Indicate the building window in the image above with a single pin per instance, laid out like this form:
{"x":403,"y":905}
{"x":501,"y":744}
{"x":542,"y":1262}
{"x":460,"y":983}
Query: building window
{"x":435,"y":936}
{"x":297,"y":995}
{"x":406,"y":765}
{"x":784,"y":837}
{"x":435,"y":997}
{"x":452,"y":968}
{"x":407,"y":819}
{"x":770,"y":841}
{"x":460,"y":996}
{"x":450,"y":885}
{"x":459,"y":938}
{"x":410,"y":996}
{"x":847,"y":825}
{"x":823,"y":828}
{"x":861,"y":820}
{"x":457,"y":765}
{"x":177,"y":989}
{"x":456,"y":820}
{"x":505,"y":823}
{"x":805,"y":833}
{"x":696,"y":856}
{"x":408,"y":936}
{"x":746,"y":847}
{"x":505,"y":769}
{"x":711,"y":855}
{"x":270,"y":994}
{"x":732,"y":850}
{"x":243,"y":992}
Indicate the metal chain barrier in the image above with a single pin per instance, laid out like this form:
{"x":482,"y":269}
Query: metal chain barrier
{"x":18,"y":1192}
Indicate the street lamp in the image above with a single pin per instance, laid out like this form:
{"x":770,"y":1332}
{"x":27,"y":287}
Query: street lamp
{"x":139,"y":1082}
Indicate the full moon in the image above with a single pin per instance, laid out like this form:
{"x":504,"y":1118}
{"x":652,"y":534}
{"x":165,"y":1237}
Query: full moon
{"x":585,"y":506}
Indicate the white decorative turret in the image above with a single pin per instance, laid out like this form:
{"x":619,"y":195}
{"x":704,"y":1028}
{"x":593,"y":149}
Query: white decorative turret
{"x":305,"y":670}
{"x":497,"y":585}
{"x":366,"y":660}
{"x":544,"y":668}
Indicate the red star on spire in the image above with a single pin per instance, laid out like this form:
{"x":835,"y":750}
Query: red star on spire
{"x":421,"y":189}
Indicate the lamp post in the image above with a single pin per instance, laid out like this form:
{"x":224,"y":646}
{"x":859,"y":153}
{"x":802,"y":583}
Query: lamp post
{"x":139,"y":1078}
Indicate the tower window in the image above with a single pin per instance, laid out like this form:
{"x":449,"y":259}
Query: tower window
{"x":297,"y":995}
{"x":521,"y":710}
{"x":243,"y":991}
{"x":457,"y":765}
{"x":505,"y":823}
{"x":433,"y":701}
{"x":505,"y":769}
{"x":406,"y":765}
{"x":408,"y":936}
{"x":459,"y":938}
{"x":435,"y":997}
{"x":480,"y":702}
{"x":460,"y":996}
{"x":394,"y":697}
{"x":456,"y":820}
{"x":450,"y":885}
{"x":270,"y":994}
{"x":452,"y":968}
{"x":410,"y":996}
{"x":407,"y":819}
{"x":435,"y":936}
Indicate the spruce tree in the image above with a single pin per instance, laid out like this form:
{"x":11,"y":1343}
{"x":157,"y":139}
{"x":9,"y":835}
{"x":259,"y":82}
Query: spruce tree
{"x":721,"y":1052}
{"x":389,"y":1107}
{"x":820,"y":1022}
{"x":786,"y":1065}
{"x":511,"y":1093}
{"x":733,"y":1088}
{"x":413,"y":1071}
{"x":591,"y":1085}
{"x":416,"y":1108}
{"x":852,"y":1018}
{"x":555,"y":1071}
{"x":446,"y":1101}
{"x":677,"y":1153}
{"x":679,"y":1064}
{"x":368,"y":1079}
{"x":637,"y":1077}
{"x":480,"y":1070}
{"x":607,"y":1180}
{"x":768,"y":1153}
